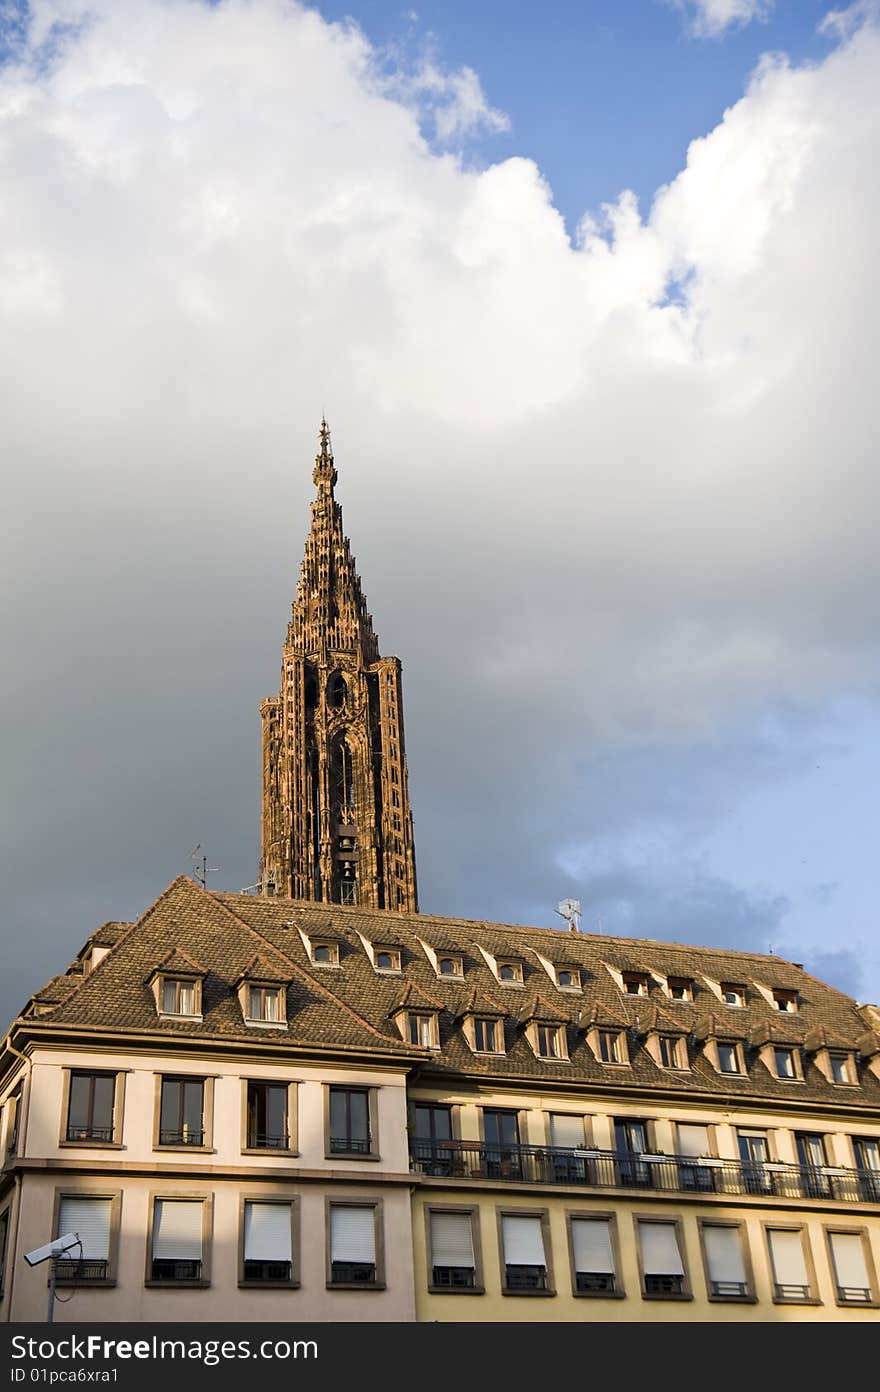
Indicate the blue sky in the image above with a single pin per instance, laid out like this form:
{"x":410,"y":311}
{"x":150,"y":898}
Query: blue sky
{"x":611,"y":493}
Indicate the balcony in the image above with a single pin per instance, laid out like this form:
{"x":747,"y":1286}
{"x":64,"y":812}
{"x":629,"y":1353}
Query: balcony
{"x":620,"y":1169}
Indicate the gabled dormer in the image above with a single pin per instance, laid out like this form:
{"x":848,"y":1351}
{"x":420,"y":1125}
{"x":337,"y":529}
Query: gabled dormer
{"x":724,"y":1044}
{"x":606,"y":1033}
{"x":665,"y":1039}
{"x":545,"y":1028}
{"x":417,"y":1016}
{"x":176,"y":984}
{"x":262,"y":994}
{"x":780,"y":1050}
{"x":482,"y":1023}
{"x":835,"y":1057}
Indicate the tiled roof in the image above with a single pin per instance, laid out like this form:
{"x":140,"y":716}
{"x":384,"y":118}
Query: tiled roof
{"x":352,"y":1006}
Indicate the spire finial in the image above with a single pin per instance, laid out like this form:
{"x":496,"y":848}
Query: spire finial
{"x":325,"y":473}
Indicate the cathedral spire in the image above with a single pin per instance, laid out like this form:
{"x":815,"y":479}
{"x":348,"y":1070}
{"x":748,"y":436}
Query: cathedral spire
{"x":336,"y":820}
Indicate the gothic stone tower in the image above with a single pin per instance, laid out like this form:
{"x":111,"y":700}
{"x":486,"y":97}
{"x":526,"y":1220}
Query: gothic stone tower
{"x":336,"y":822}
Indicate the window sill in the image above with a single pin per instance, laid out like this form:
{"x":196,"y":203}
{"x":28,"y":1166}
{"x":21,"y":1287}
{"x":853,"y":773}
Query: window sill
{"x":351,"y":1155}
{"x":266,"y":1024}
{"x":268,"y":1285}
{"x":529,"y":1294}
{"x":667,"y":1295}
{"x":270,"y":1150}
{"x":183,"y":1019}
{"x":187,"y":1149}
{"x":599,"y":1295}
{"x":69,"y":1282}
{"x":177,"y":1285}
{"x":854,"y":1304}
{"x":357,"y":1285}
{"x":813,"y":1300}
{"x":732,"y":1299}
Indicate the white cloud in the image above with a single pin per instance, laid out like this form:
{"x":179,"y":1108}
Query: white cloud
{"x":711,"y":19}
{"x":604,"y":494}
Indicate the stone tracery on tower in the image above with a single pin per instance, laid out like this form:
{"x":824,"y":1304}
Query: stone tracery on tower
{"x":336,"y":820}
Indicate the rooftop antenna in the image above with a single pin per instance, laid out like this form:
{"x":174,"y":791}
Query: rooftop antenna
{"x":201,"y":868}
{"x":570,"y":910}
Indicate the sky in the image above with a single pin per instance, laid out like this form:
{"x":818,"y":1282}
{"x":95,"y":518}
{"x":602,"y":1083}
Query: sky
{"x":587,"y":292}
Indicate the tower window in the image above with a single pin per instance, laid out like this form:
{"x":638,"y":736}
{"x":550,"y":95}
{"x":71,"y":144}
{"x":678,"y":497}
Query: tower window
{"x":337,"y":691}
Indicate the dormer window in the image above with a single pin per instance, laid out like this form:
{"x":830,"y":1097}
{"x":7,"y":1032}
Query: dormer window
{"x":610,"y":1046}
{"x":510,"y":972}
{"x":387,"y":959}
{"x":786,"y":1001}
{"x":672,"y":1051}
{"x":325,"y":954}
{"x":734,"y":995}
{"x":484,"y":1034}
{"x":450,"y":966}
{"x":548,"y":1041}
{"x":635,"y":983}
{"x":680,"y":988}
{"x":568,"y":979}
{"x":422,"y":1030}
{"x":786,"y":1063}
{"x":265,"y":1005}
{"x":179,"y":996}
{"x":729,"y":1058}
{"x":840,"y":1066}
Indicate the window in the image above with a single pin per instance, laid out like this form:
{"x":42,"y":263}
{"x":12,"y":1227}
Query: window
{"x":92,"y":1217}
{"x":387,"y":959}
{"x":523,"y":1253}
{"x":786,"y":1001}
{"x":502,"y":1155}
{"x":566,"y":1132}
{"x":181,"y":997}
{"x":13,"y":1119}
{"x":788,"y":1260}
{"x":840,"y":1067}
{"x":325,"y":954}
{"x":754,"y":1154}
{"x":511,"y":972}
{"x":181,"y":1112}
{"x":451,"y":1256}
{"x":91,"y":1102}
{"x":732,"y":994}
{"x":267,"y":1243}
{"x":422,"y":1030}
{"x":680,"y":988}
{"x":785,"y":1062}
{"x":867,"y":1153}
{"x":487,"y":1036}
{"x":729,"y":1060}
{"x":430,"y":1127}
{"x":635,"y":983}
{"x":267,"y":1116}
{"x":853,"y":1281}
{"x":660,"y":1256}
{"x":350,"y":1130}
{"x":177,"y":1251}
{"x":353,"y":1245}
{"x":264,"y":1005}
{"x":592,"y":1256}
{"x":726,"y":1275}
{"x":549,"y":1041}
{"x":568,"y":979}
{"x":631,"y":1142}
{"x":450,"y":966}
{"x":610,"y":1050}
{"x":692,"y":1143}
{"x":672,"y":1051}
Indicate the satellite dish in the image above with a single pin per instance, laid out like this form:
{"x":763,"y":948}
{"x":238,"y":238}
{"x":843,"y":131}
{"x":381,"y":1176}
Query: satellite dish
{"x":570,"y":910}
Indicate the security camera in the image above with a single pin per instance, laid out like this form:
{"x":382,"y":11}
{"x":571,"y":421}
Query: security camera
{"x":56,"y":1248}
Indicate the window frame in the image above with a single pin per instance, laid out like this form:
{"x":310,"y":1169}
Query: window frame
{"x":407,"y":1017}
{"x":292,"y":1147}
{"x":681,"y":1063}
{"x":71,"y":1191}
{"x":543,"y":1214}
{"x":332,"y":947}
{"x":738,"y":1054}
{"x":372,"y":1121}
{"x":812,"y":1298}
{"x":860,"y":1231}
{"x":684,"y":982}
{"x":737,"y":988}
{"x":641,"y":980}
{"x":576,"y":985}
{"x":256,"y":1021}
{"x":677,"y":1223}
{"x":180,"y":979}
{"x":206,"y":1199}
{"x":594,"y":1038}
{"x":850,"y":1067}
{"x":773,"y":1051}
{"x":790,"y":998}
{"x":515,"y":963}
{"x":395,"y":955}
{"x":597,"y":1215}
{"x":377,"y":1205}
{"x":559,"y":1036}
{"x":750,"y":1296}
{"x":270,"y":1196}
{"x":470,"y":1034}
{"x":471,"y":1211}
{"x":115,"y":1142}
{"x":458,"y":961}
{"x":207,"y":1081}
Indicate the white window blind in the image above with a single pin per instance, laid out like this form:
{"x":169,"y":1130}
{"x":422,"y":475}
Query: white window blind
{"x":91,"y":1219}
{"x":660,"y":1254}
{"x":850,"y":1266}
{"x":787,"y":1253}
{"x":693,"y":1140}
{"x":523,"y":1241}
{"x":724,"y":1255}
{"x":267,"y":1232}
{"x":591,"y":1241}
{"x":177,"y":1230}
{"x":566,"y":1131}
{"x":352,"y":1234}
{"x":452,"y":1241}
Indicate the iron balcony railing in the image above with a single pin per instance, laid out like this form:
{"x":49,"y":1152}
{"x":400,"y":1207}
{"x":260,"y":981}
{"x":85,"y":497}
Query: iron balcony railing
{"x":621,"y":1169}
